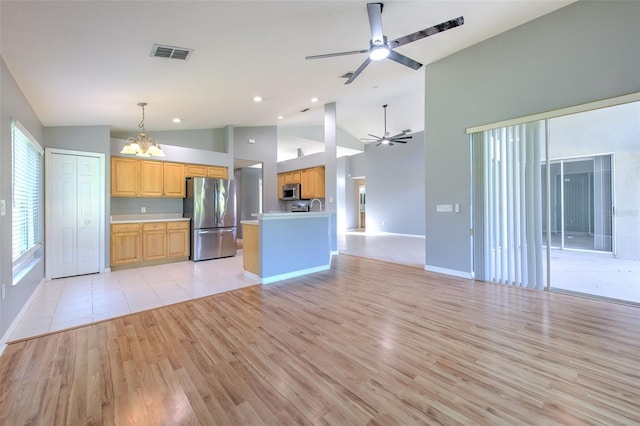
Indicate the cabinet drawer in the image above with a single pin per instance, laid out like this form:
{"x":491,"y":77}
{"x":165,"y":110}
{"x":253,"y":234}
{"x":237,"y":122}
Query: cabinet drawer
{"x":154,"y":226}
{"x":125,"y":227}
{"x":178,"y":225}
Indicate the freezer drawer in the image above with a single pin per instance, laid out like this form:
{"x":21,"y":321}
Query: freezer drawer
{"x":213,"y":243}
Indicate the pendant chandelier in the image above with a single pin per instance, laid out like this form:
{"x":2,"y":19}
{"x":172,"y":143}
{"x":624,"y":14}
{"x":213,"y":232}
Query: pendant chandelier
{"x":142,"y":146}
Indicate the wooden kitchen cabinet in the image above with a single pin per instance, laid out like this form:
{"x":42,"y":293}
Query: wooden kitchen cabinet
{"x":151,"y":179}
{"x":174,"y":183}
{"x":199,"y":170}
{"x":178,"y":239}
{"x":217,"y":172}
{"x":149,"y":243}
{"x":125,"y":243}
{"x":124,"y":176}
{"x":154,"y":241}
{"x":312,"y":182}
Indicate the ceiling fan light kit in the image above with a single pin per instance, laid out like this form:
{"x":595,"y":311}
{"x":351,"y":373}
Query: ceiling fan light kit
{"x":381,"y":48}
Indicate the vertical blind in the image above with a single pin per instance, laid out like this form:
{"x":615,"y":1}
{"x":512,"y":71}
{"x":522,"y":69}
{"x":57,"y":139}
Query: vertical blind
{"x":26,"y":180}
{"x":508,"y":205}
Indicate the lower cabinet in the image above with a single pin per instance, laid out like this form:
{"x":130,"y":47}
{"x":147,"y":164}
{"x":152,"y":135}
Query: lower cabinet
{"x":125,"y":244}
{"x":148,"y":243}
{"x":177,"y":239}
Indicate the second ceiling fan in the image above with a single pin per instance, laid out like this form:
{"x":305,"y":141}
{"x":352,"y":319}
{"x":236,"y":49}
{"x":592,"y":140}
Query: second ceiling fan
{"x":385,"y":139}
{"x":380,"y":47}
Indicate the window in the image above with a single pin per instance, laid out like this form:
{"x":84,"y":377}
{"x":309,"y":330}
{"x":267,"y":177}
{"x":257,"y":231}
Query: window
{"x":26,"y":184}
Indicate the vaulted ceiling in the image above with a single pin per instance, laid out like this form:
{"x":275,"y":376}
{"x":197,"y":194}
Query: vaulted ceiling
{"x":89,"y":63}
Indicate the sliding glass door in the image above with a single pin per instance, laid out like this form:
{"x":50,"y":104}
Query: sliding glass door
{"x":563,"y":202}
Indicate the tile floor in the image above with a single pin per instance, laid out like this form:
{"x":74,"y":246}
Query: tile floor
{"x":70,"y":302}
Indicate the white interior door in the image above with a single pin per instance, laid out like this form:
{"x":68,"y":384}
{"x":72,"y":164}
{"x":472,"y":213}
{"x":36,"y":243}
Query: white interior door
{"x":88,"y":215}
{"x":74,"y":208}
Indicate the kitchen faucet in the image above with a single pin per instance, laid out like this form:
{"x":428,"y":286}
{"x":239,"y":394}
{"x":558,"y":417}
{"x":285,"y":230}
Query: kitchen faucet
{"x":311,"y":203}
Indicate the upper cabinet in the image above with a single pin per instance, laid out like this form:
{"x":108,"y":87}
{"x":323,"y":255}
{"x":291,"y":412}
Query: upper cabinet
{"x":174,"y":185}
{"x":132,"y":177}
{"x":151,"y":179}
{"x":124,"y":176}
{"x":199,"y":170}
{"x":311,"y":181}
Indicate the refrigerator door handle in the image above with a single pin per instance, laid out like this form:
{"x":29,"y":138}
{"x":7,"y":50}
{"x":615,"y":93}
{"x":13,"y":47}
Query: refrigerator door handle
{"x":214,"y":231}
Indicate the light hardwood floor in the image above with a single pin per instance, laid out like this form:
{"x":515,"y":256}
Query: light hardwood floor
{"x":366,"y":342}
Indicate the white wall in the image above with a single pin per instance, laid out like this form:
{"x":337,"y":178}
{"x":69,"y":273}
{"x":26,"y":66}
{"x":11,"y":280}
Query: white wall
{"x":581,"y":53}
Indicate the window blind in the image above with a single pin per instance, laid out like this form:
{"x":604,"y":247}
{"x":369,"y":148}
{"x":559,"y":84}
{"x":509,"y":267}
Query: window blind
{"x":26,"y":200}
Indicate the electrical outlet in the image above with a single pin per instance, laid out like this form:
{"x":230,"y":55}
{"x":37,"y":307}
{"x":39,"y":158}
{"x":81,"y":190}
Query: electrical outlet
{"x":3,"y":208}
{"x":143,"y":209}
{"x":4,"y":291}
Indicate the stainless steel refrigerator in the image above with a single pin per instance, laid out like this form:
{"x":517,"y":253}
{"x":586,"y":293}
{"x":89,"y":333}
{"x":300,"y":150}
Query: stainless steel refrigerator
{"x":211,"y":205}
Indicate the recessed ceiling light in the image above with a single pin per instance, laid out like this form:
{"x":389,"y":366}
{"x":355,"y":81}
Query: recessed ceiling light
{"x":314,"y":99}
{"x":257,"y":99}
{"x":280,"y":117}
{"x":176,"y":120}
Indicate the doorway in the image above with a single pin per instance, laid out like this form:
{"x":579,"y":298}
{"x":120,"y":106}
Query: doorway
{"x":362,"y":211}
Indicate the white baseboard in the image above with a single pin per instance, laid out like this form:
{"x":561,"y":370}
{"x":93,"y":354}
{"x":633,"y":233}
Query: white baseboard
{"x":14,"y":324}
{"x":452,"y":272}
{"x":281,"y":277}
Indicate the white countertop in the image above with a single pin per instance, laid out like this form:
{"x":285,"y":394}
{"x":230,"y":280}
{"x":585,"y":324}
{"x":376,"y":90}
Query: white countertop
{"x":292,"y":215}
{"x":151,"y":217}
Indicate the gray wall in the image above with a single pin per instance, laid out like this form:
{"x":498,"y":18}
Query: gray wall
{"x":581,"y":53}
{"x":207,"y":139}
{"x":247,"y":195}
{"x":13,"y":104}
{"x":265,"y":150}
{"x":395,"y":181}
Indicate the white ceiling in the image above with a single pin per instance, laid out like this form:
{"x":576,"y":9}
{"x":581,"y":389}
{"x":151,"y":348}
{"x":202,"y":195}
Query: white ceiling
{"x":88,"y":62}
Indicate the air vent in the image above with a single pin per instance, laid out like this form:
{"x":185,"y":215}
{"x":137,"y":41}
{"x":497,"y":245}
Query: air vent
{"x":304,"y":110}
{"x":346,"y":75}
{"x":170,"y":52}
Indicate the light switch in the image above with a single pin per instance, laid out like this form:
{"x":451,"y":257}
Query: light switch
{"x":457,"y":207}
{"x":3,"y":208}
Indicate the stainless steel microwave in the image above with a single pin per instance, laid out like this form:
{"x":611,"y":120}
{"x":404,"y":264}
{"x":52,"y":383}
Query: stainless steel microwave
{"x":291,"y":192}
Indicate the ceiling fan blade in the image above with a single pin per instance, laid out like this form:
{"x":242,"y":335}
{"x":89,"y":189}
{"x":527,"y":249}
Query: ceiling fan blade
{"x":427,"y":32}
{"x":379,"y":143}
{"x":397,"y":141}
{"x":401,"y":59}
{"x":331,"y":55}
{"x":358,"y":71}
{"x":374,"y":136}
{"x":375,"y":22}
{"x":401,"y":134}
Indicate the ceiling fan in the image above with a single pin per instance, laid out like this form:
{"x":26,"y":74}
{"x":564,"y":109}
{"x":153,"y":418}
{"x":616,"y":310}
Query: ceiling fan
{"x":386,"y":139}
{"x":380,"y":47}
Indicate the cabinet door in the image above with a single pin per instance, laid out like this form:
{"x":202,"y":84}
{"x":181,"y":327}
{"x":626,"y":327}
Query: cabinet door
{"x":154,"y":241}
{"x":151,"y":179}
{"x":319,"y":182}
{"x":307,"y":183}
{"x":217,"y":172}
{"x":125,"y":244}
{"x":295,"y":176}
{"x":287,"y":178}
{"x":280,"y":185}
{"x":174,"y":183}
{"x":195,"y":170}
{"x":124,"y":176}
{"x":178,"y":239}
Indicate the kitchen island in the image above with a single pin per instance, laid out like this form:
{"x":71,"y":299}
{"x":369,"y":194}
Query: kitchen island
{"x":279,"y":246}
